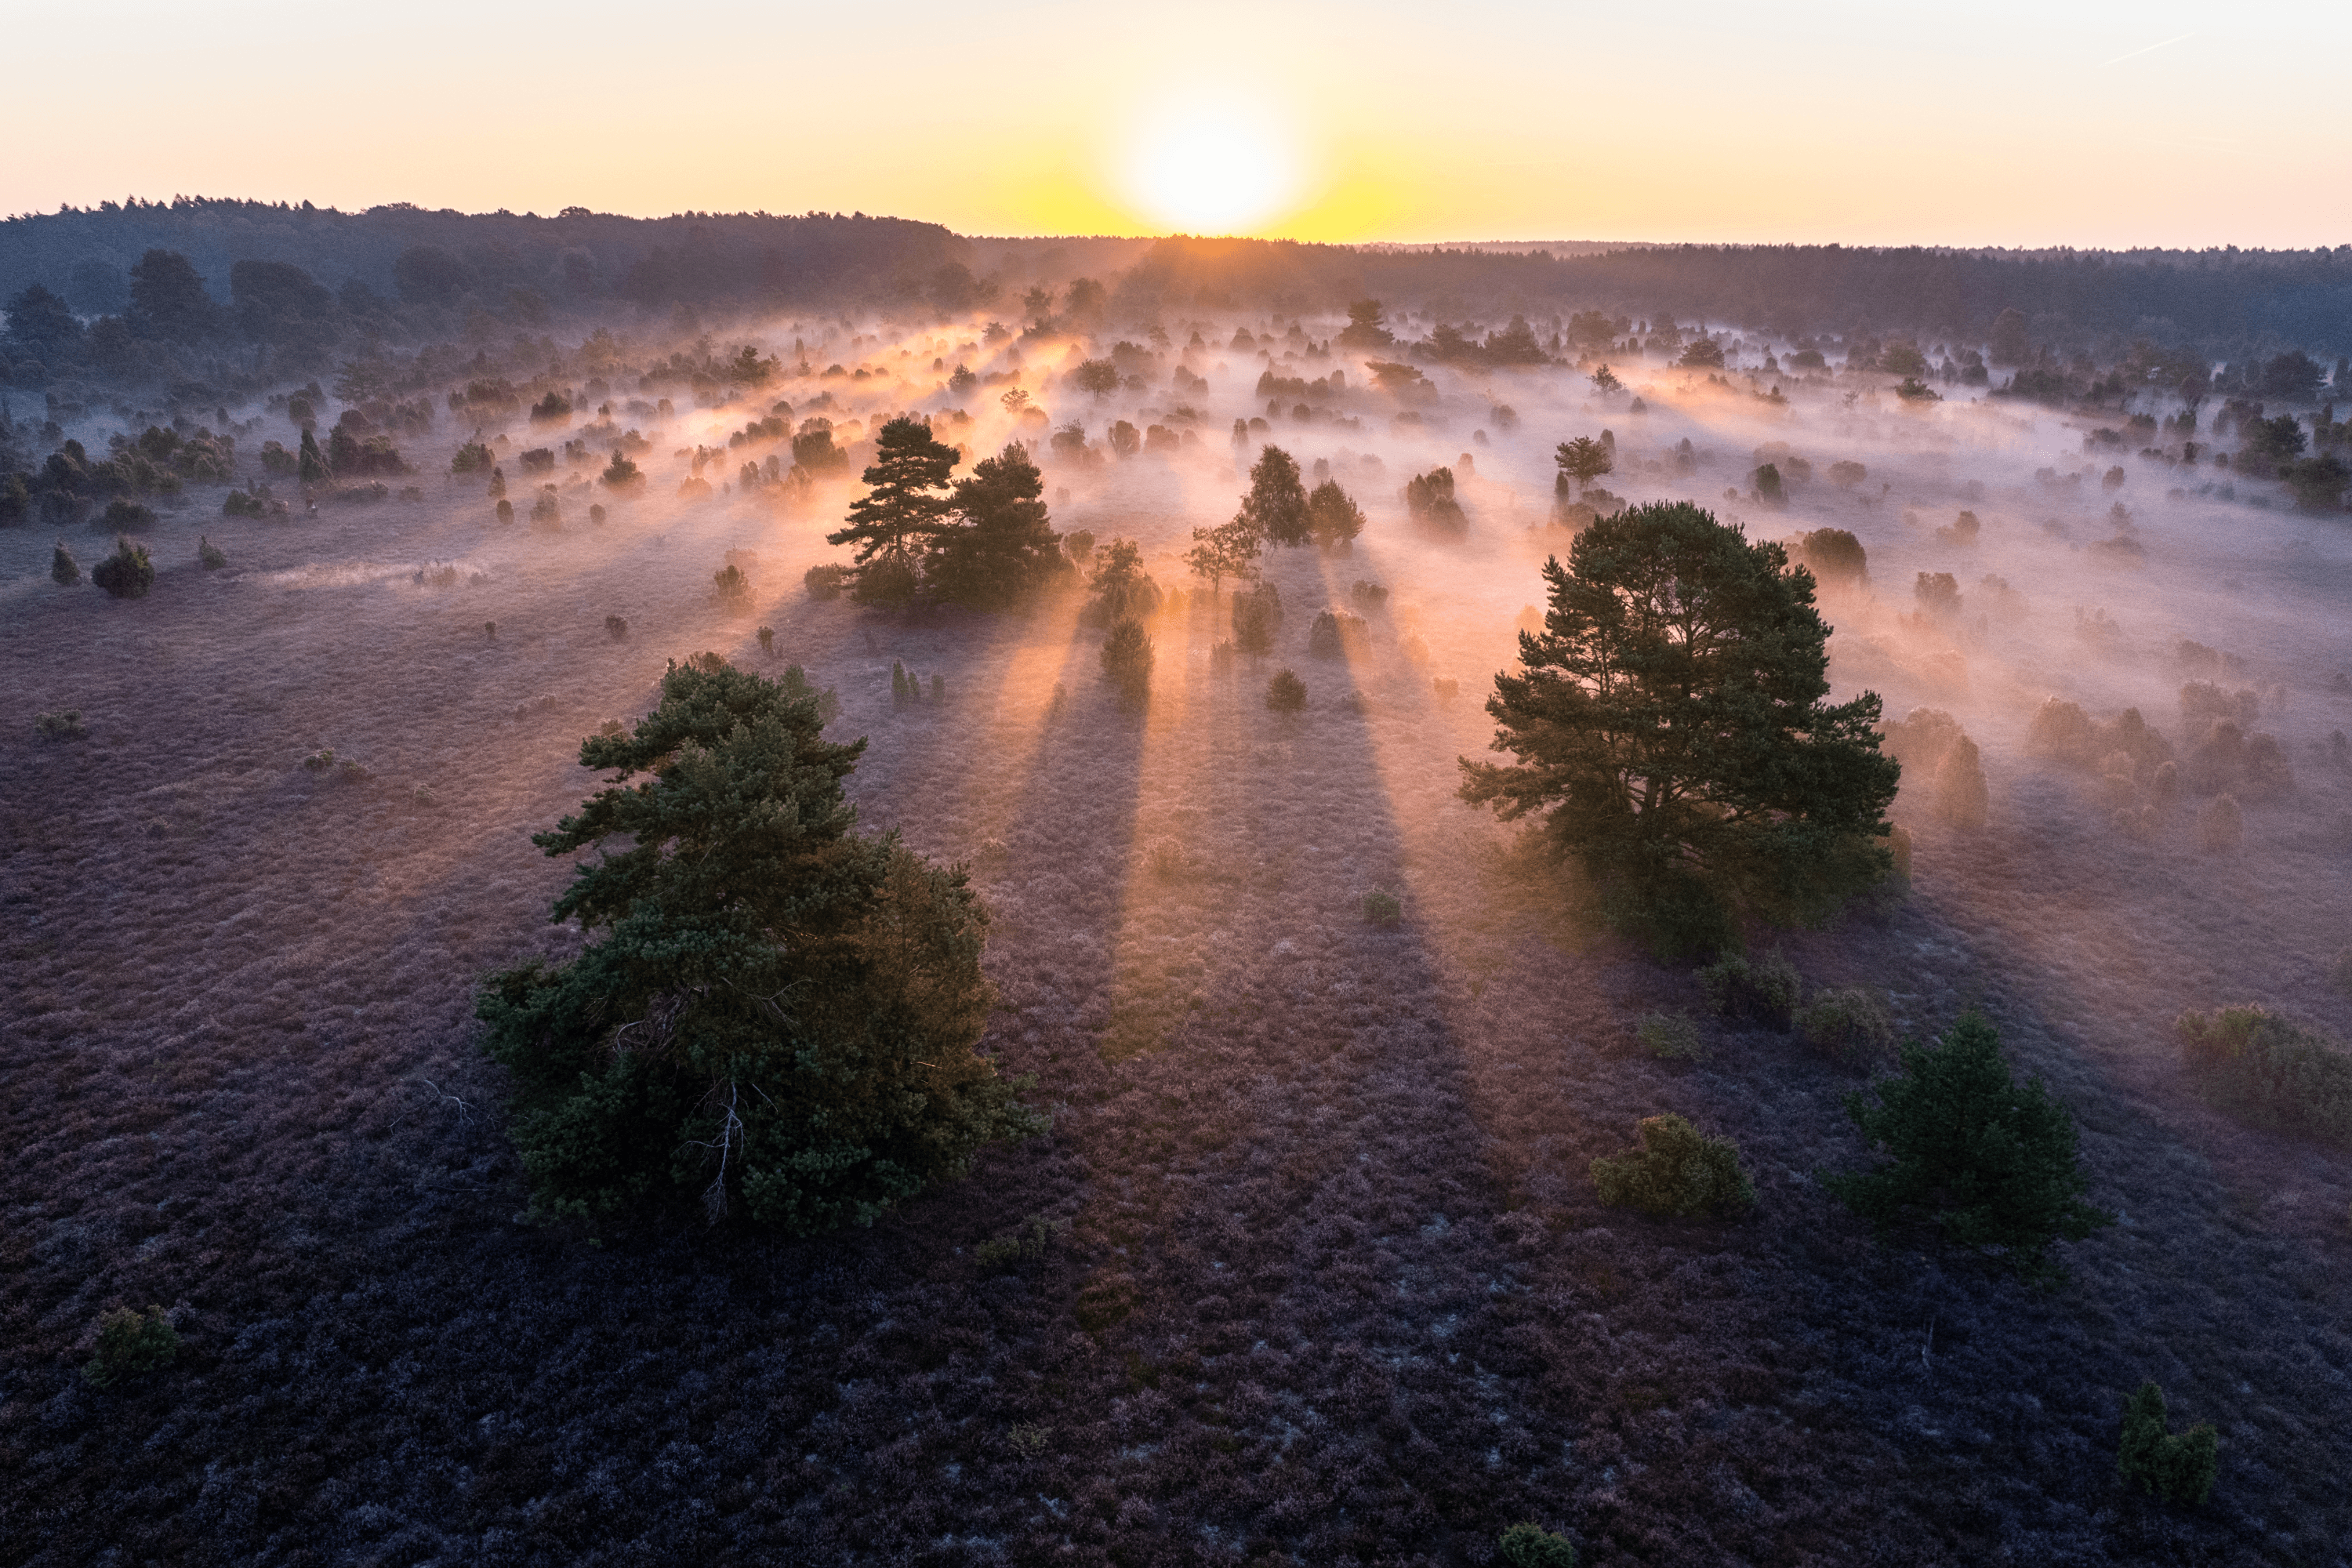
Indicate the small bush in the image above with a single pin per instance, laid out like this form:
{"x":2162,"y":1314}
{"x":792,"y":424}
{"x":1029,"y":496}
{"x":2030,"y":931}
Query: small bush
{"x":1257,"y":618}
{"x":1168,"y":860}
{"x":616,"y":628}
{"x":1126,"y":660}
{"x":1367,"y":595}
{"x":767,"y":640}
{"x":505,"y":511}
{"x":1850,"y":1024}
{"x":1025,"y":1243}
{"x":825,"y":582}
{"x":2261,"y":1068}
{"x":1383,"y":910}
{"x":1764,"y":992}
{"x":1337,"y":634}
{"x":209,"y":555}
{"x":1533,"y":1546}
{"x":64,"y":570}
{"x":1286,"y":693}
{"x":1992,"y":1164}
{"x":490,"y":631}
{"x":799,"y":687}
{"x":1677,"y":1170}
{"x":64,"y":726}
{"x":131,"y":1345}
{"x":319,"y":761}
{"x":1669,"y":1036}
{"x":596,"y":514}
{"x":2178,"y":1467}
{"x":127,"y":573}
{"x":734,"y":588}
{"x":124,"y":515}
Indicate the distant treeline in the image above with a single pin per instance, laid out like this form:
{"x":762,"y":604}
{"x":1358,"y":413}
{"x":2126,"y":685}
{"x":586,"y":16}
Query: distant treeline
{"x":408,"y":255}
{"x":90,"y":286}
{"x":2229,"y":300}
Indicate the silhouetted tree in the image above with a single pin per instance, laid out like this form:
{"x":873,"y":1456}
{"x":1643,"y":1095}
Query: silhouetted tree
{"x":1366,"y":327}
{"x":43,"y":322}
{"x":892,"y":523}
{"x":1003,"y":547}
{"x":1229,"y":550}
{"x":1584,"y":460}
{"x":168,"y":298}
{"x":1333,"y":519}
{"x":1672,"y":733}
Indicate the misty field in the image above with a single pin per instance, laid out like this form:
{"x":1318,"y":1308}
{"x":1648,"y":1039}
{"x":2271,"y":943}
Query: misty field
{"x":1310,"y":1268}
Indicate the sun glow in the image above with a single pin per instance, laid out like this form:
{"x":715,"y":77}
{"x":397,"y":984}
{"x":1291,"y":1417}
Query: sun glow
{"x":1211,"y":166}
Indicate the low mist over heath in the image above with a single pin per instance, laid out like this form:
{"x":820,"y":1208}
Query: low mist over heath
{"x":1302,"y":1227}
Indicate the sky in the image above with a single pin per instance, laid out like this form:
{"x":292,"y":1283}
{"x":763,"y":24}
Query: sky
{"x":2000,"y":123}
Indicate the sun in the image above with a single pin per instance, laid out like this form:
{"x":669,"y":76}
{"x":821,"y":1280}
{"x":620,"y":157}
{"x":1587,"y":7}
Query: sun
{"x":1212,"y":166}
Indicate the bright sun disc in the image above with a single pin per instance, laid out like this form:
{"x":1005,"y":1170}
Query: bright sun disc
{"x":1213,"y":169}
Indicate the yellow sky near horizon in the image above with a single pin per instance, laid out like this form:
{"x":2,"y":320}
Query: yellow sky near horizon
{"x":1826,"y":120}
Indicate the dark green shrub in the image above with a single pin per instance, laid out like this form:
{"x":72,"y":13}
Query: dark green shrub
{"x":734,"y":588}
{"x":1992,"y":1164}
{"x":1025,"y":1243}
{"x":1764,"y":992}
{"x":1677,"y":1170}
{"x":1126,"y":659}
{"x":127,"y":573}
{"x":209,"y":555}
{"x":473,"y":458}
{"x":1337,"y":634}
{"x":131,"y":1345}
{"x":64,"y":726}
{"x":818,"y":1079}
{"x":1383,"y":910}
{"x":1850,"y":1024}
{"x":1286,"y":693}
{"x":2261,"y":1068}
{"x":824,"y":582}
{"x":64,"y":570}
{"x":2178,"y":1467}
{"x":616,"y":628}
{"x":124,"y":515}
{"x":1533,"y":1546}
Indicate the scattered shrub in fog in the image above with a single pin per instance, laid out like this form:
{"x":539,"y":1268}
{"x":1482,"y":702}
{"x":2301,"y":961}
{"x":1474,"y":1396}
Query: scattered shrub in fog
{"x":1669,"y":1036}
{"x":1003,"y":547}
{"x":596,"y":514}
{"x":1429,"y":500}
{"x":473,"y":458}
{"x":1992,"y":1164}
{"x":64,"y":726}
{"x":1763,"y":992}
{"x":1677,"y":1172}
{"x":1533,"y":1546}
{"x":904,"y":687}
{"x":1257,"y":618}
{"x":767,"y":635}
{"x":1168,"y":860}
{"x":1127,"y":661}
{"x":64,"y":570}
{"x":2261,"y":1068}
{"x":505,"y":511}
{"x":824,"y":582}
{"x":1275,"y":509}
{"x":210,"y":556}
{"x":621,"y":475}
{"x":1286,"y":693}
{"x":2220,"y":827}
{"x":1938,"y":593}
{"x":123,"y":515}
{"x":1781,"y":811}
{"x":1333,"y":520}
{"x":130,"y":1346}
{"x":127,"y":573}
{"x":2178,"y":1467}
{"x":1120,"y":589}
{"x":1367,"y":595}
{"x":1383,"y":910}
{"x":490,"y":631}
{"x":830,"y":1077}
{"x":2063,"y":733}
{"x":616,"y":628}
{"x":1337,"y":634}
{"x":1849,"y":1024}
{"x":734,"y":588}
{"x":1960,"y":795}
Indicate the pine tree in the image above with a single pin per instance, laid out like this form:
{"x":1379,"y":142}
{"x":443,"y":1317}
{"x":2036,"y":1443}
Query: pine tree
{"x":1004,"y":547}
{"x":893,"y":524}
{"x":64,"y":570}
{"x":1992,"y":1164}
{"x":779,"y":1012}
{"x":1672,"y":733}
{"x":1126,"y":660}
{"x":313,"y":463}
{"x":1276,"y":507}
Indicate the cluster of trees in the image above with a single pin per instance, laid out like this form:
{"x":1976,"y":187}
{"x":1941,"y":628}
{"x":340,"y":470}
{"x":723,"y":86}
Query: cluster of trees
{"x":69,"y":482}
{"x":1278,"y":508}
{"x":918,"y":532}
